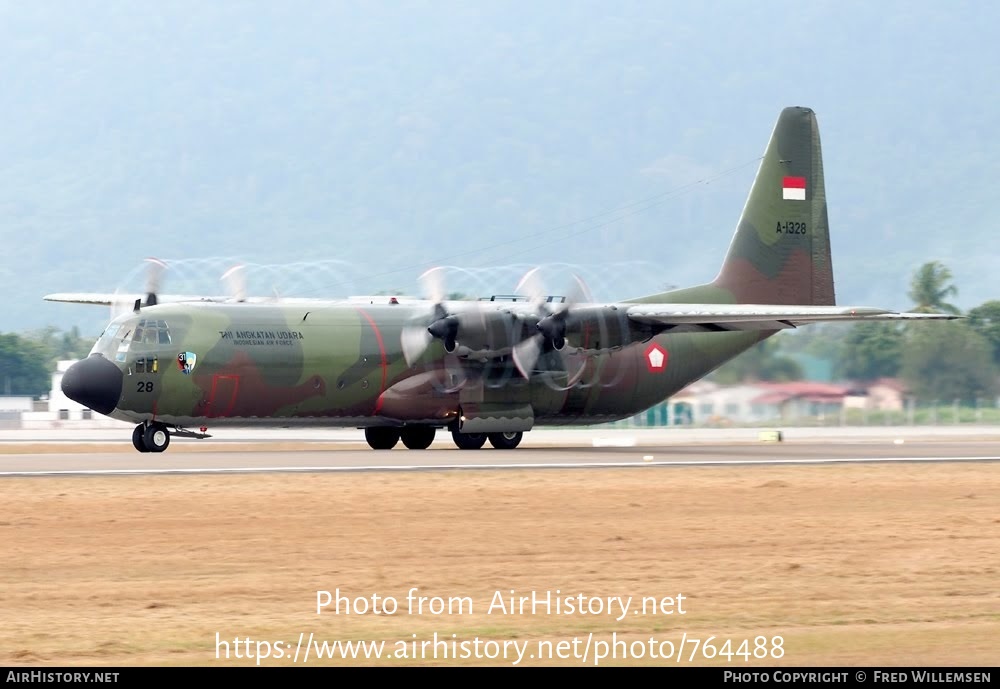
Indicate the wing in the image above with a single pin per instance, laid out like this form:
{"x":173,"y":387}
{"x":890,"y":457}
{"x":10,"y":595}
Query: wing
{"x":107,"y":299}
{"x":525,"y":330}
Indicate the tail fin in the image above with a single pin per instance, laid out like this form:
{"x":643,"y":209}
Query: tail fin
{"x":780,"y":253}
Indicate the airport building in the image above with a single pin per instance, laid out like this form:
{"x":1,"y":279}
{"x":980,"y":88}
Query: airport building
{"x":58,"y":411}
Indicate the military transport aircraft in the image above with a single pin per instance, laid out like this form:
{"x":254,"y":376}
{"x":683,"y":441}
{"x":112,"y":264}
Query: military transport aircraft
{"x":486,"y":370}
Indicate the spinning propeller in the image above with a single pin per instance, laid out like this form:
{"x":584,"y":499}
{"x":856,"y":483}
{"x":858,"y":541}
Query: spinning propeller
{"x":236,"y":282}
{"x":154,"y":278}
{"x":416,"y":337}
{"x":437,"y":324}
{"x":491,"y":336}
{"x":551,"y":326}
{"x":234,"y":279}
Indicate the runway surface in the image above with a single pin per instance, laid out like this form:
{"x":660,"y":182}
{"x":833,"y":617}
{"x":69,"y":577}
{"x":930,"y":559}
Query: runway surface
{"x":104,"y":454}
{"x":855,"y":546}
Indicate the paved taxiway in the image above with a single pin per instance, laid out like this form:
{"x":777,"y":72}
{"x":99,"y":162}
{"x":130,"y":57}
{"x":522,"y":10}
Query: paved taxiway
{"x":111,"y":455}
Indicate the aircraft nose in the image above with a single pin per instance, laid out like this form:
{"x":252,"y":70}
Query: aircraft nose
{"x":94,"y":382}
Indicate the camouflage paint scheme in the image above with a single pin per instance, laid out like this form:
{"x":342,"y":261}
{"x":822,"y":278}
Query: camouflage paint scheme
{"x":342,"y":364}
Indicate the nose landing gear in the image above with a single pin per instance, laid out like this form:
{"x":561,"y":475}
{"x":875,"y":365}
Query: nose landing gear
{"x":152,"y":437}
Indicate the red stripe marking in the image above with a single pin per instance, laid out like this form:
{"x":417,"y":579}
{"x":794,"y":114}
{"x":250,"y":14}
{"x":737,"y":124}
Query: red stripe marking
{"x":232,"y":397}
{"x":381,"y":350}
{"x":794,"y":182}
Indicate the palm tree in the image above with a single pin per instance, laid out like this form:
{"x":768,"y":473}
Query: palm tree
{"x":930,"y":286}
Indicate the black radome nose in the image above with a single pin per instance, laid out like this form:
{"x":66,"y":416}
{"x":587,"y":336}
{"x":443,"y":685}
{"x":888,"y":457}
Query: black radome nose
{"x":94,"y":382}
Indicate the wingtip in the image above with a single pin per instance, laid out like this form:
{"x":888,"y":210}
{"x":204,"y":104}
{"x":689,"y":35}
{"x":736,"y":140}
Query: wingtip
{"x":79,"y":298}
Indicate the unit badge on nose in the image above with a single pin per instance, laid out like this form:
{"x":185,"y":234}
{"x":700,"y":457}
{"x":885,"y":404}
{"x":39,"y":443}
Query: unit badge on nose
{"x":656,"y":358}
{"x":186,"y":362}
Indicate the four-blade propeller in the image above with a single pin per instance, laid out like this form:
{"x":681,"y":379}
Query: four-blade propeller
{"x":548,"y":326}
{"x":154,"y":279}
{"x":553,"y":317}
{"x":529,"y":336}
{"x":438,"y":324}
{"x":418,"y":335}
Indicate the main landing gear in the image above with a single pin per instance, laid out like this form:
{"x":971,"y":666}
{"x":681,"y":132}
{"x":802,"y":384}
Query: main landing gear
{"x":153,"y":437}
{"x":474,"y":441}
{"x":505,"y":441}
{"x":468,"y":441}
{"x":413,"y":437}
{"x":421,"y":437}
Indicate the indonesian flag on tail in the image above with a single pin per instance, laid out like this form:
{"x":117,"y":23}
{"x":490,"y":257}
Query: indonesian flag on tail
{"x":793,"y":188}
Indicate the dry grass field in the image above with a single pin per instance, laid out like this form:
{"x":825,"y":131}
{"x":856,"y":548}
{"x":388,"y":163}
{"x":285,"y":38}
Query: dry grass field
{"x":849,"y":565}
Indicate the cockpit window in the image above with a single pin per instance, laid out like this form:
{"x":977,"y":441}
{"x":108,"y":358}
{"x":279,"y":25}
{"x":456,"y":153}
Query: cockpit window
{"x":151,"y":332}
{"x":115,"y":339}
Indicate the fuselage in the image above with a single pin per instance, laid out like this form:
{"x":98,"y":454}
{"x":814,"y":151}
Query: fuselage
{"x":341,"y":364}
{"x":404,"y":370}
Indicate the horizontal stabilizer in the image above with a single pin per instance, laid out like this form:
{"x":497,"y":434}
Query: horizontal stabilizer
{"x":701,"y":317}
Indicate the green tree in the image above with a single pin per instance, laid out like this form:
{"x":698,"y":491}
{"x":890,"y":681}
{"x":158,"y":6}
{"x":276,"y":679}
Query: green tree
{"x":985,"y":320}
{"x":948,"y":361}
{"x":61,"y":345}
{"x":871,"y":350}
{"x":24,"y":366}
{"x":820,"y":340}
{"x":930,"y":287}
{"x":763,"y":361}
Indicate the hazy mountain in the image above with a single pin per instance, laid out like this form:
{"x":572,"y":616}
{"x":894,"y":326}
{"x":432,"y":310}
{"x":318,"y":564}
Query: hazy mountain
{"x":364,"y":142}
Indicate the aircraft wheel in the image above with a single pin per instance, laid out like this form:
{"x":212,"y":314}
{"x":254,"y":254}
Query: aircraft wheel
{"x":382,"y":438}
{"x":505,"y":441}
{"x":156,"y":438}
{"x":137,"y":440}
{"x":418,"y":437}
{"x":468,"y":441}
